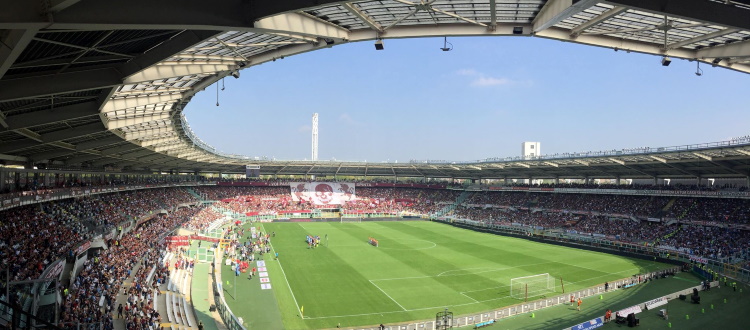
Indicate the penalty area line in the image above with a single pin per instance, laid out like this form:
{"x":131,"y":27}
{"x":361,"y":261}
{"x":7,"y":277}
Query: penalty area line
{"x":389,"y":296}
{"x":458,"y":305}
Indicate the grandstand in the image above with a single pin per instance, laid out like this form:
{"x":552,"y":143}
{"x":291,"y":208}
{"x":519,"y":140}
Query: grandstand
{"x":101,"y":170}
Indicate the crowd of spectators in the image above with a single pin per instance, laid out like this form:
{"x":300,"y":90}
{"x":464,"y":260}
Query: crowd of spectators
{"x":34,"y":185}
{"x":643,"y":206}
{"x":31,"y":239}
{"x":40,"y":234}
{"x":93,"y":293}
{"x":716,"y":210}
{"x":709,"y":241}
{"x":634,"y":186}
{"x":202,"y":219}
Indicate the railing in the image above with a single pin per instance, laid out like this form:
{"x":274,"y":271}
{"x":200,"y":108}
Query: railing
{"x":230,"y":320}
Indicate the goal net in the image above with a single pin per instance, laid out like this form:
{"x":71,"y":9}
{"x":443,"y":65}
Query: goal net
{"x":346,"y":219}
{"x":531,"y":286}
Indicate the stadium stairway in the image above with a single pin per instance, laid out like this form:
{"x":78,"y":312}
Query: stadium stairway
{"x":178,"y":306}
{"x":666,"y":208}
{"x":195,"y":194}
{"x":687,"y":210}
{"x":450,"y":207}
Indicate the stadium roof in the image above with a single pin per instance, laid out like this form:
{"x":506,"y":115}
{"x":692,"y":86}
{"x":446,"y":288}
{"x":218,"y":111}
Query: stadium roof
{"x":92,"y":84}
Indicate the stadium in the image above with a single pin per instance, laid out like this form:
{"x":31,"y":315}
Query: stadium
{"x":117,"y":215}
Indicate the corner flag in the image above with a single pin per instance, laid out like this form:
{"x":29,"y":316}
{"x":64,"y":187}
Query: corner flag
{"x":302,"y":311}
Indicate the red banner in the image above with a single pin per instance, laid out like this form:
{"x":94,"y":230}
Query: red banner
{"x":204,"y":238}
{"x":177,"y":240}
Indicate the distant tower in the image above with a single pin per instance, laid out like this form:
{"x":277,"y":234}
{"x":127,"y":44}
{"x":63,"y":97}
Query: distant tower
{"x":315,"y":136}
{"x":530,"y":150}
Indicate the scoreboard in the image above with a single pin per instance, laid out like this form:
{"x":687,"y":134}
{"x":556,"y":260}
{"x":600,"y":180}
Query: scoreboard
{"x":252,"y":171}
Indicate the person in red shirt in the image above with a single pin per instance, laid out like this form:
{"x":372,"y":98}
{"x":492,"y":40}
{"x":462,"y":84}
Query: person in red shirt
{"x":607,"y":316}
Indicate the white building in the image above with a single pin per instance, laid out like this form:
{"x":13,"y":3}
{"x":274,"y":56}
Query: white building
{"x":531,"y":149}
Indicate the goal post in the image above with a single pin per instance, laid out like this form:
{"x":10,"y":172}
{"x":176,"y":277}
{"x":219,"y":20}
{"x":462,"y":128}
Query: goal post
{"x":357,"y":219}
{"x":531,"y":286}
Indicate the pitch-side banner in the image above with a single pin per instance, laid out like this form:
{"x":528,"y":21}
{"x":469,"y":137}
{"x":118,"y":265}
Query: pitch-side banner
{"x":323,"y":193}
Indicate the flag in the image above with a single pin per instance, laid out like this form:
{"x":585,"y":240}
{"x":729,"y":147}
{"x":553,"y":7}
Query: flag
{"x":302,"y":309}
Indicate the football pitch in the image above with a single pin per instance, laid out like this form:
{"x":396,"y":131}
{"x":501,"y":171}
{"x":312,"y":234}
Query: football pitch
{"x":418,"y":269}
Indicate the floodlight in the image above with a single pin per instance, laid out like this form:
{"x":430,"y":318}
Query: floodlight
{"x":445,"y":45}
{"x":236,"y":74}
{"x":666,"y":61}
{"x":379,"y":44}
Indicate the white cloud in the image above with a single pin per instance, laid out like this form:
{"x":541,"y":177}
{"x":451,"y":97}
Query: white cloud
{"x":483,"y":80}
{"x":467,"y":72}
{"x":491,"y":81}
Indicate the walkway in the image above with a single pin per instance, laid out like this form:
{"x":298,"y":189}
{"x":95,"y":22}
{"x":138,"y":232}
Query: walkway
{"x":203,"y":298}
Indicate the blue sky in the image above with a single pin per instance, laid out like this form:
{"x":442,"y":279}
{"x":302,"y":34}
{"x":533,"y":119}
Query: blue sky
{"x":413,"y":101}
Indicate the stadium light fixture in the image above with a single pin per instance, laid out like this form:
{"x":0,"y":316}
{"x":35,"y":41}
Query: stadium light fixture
{"x":379,"y":44}
{"x":666,"y":61}
{"x":698,"y":70}
{"x":445,"y":45}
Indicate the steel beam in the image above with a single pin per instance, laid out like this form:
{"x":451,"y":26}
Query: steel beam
{"x":116,"y":123}
{"x":160,"y":72}
{"x":493,"y":13}
{"x":108,"y":77}
{"x":119,"y":149}
{"x":145,"y":133}
{"x":50,"y":154}
{"x":290,"y":24}
{"x":369,"y":21}
{"x":81,"y":159}
{"x":171,"y":147}
{"x":105,"y":161}
{"x":596,"y":20}
{"x":73,"y":132}
{"x":556,"y":11}
{"x":714,"y":34}
{"x":121,"y":103}
{"x":159,"y":141}
{"x":13,"y":43}
{"x":59,"y":5}
{"x":146,"y":14}
{"x":58,"y":114}
{"x":98,"y":143}
{"x":737,"y":49}
{"x":694,"y":10}
{"x":137,"y":154}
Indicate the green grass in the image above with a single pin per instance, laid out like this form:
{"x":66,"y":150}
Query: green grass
{"x":418,"y":269}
